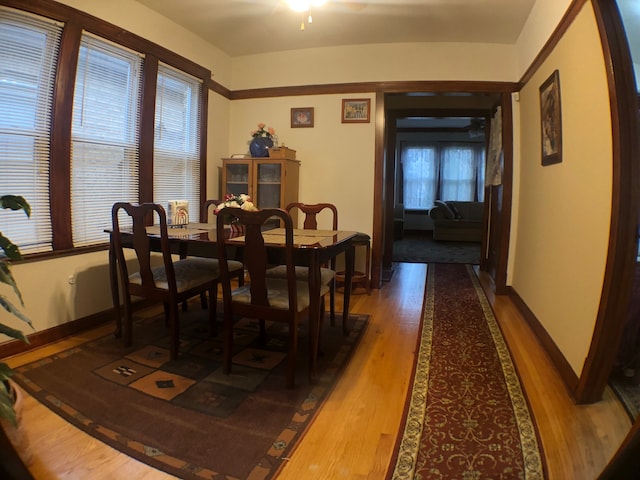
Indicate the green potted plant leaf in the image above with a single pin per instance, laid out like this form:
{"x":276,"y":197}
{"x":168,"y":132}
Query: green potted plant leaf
{"x":11,"y":252}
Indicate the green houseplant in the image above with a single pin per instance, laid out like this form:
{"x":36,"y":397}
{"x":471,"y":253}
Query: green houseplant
{"x":10,"y":252}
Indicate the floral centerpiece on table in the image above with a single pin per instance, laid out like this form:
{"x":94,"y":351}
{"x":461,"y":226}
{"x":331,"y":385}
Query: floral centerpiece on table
{"x":242,"y":201}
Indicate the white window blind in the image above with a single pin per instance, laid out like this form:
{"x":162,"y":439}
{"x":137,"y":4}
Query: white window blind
{"x":29,"y":48}
{"x":104,"y":147}
{"x":176,"y":155}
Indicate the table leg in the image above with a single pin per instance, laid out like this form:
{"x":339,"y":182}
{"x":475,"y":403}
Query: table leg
{"x":115,"y":295}
{"x":314,"y":313}
{"x":349,"y":262}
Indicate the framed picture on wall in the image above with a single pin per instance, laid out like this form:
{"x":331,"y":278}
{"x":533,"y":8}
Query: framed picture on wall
{"x":356,"y":110}
{"x":302,"y":117}
{"x":551,"y":120}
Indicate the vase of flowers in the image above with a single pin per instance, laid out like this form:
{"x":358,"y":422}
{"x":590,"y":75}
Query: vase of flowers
{"x":262,"y":141}
{"x":242,"y":201}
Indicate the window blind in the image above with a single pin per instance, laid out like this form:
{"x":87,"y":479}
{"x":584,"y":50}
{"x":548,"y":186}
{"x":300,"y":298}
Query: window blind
{"x":29,"y":48}
{"x":105,"y":131}
{"x":176,"y":155}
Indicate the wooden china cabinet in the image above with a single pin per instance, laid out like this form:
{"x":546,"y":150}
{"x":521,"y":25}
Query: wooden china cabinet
{"x":271,"y":182}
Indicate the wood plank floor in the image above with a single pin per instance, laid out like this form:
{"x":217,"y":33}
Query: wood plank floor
{"x":354,"y":434}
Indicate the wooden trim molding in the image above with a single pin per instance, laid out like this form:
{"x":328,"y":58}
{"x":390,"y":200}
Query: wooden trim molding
{"x":369,"y":87}
{"x":560,"y":362}
{"x":568,"y":18}
{"x":625,"y":206}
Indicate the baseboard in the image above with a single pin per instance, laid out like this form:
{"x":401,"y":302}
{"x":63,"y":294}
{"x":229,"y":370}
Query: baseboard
{"x":45,"y":337}
{"x":559,"y":361}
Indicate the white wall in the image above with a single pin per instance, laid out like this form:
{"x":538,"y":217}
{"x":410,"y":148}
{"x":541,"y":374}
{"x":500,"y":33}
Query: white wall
{"x":370,"y":63}
{"x":337,"y":159}
{"x":564,"y":210}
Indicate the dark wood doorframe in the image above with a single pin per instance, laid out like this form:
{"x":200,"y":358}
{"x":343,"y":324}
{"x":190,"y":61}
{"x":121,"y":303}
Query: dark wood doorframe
{"x":625,"y":202}
{"x":385,"y":186}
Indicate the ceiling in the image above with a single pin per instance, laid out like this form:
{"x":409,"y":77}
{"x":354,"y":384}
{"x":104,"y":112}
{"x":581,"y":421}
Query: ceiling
{"x":246,"y":27}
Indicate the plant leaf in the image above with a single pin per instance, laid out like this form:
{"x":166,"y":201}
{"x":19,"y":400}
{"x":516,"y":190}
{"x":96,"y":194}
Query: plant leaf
{"x":7,"y":277}
{"x":5,"y":372}
{"x":15,"y":202}
{"x":9,"y":307}
{"x":11,"y":250}
{"x":6,"y":401}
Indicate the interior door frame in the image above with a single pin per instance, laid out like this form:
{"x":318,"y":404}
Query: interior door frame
{"x":382,"y":244}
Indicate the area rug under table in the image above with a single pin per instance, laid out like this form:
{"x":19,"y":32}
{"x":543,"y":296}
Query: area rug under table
{"x":186,"y":417}
{"x":466,"y":415}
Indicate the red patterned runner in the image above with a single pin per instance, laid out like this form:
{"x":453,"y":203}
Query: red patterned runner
{"x":467,"y":417}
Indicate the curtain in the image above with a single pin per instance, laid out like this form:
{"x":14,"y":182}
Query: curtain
{"x":439,"y":171}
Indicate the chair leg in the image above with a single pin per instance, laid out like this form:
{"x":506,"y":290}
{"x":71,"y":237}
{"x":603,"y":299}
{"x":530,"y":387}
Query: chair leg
{"x":332,"y":302}
{"x":167,"y":314}
{"x":127,"y":324}
{"x":228,"y":342}
{"x":263,"y":331}
{"x":213,"y":324}
{"x":292,"y":355}
{"x":203,"y":300}
{"x":322,"y":315}
{"x":174,"y":333}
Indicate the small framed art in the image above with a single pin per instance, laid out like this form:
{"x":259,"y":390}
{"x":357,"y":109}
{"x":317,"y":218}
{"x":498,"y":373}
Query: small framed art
{"x":302,"y":117}
{"x":356,"y":110}
{"x":551,"y":120}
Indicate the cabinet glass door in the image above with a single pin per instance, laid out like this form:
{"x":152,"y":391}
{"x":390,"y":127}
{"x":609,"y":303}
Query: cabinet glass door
{"x":269,"y":185}
{"x":237,"y":179}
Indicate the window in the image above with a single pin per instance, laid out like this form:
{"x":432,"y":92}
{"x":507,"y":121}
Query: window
{"x":176,"y":155}
{"x":420,"y":173}
{"x":102,"y":125}
{"x":433,"y":171}
{"x":104,"y":146}
{"x":29,"y":48}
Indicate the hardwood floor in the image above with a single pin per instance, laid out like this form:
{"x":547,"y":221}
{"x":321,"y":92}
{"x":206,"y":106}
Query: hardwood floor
{"x":353,"y":435}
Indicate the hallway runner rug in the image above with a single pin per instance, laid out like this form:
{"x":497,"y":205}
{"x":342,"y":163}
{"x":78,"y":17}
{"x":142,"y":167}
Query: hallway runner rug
{"x":466,"y":415}
{"x":186,"y":417}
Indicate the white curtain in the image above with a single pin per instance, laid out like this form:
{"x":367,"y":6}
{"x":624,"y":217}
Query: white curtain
{"x":438,"y":171}
{"x":420,"y":172}
{"x":494,"y":168}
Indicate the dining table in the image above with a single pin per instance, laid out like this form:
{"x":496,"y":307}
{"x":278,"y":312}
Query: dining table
{"x":312,"y":248}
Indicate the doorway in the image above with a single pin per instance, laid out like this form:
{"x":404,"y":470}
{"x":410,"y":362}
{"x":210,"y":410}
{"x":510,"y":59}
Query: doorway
{"x":437,"y":114}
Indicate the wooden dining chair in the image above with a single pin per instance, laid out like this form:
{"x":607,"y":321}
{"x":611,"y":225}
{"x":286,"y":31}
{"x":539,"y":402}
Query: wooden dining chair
{"x":284,"y":300}
{"x":238,"y":269}
{"x":206,"y":208}
{"x":171,"y":282}
{"x":327,"y":272}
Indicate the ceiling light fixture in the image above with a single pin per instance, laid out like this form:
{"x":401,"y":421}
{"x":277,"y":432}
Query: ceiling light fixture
{"x":304,"y":6}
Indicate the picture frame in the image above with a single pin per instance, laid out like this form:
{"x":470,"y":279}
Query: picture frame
{"x":551,"y":120}
{"x":356,"y":110}
{"x":302,"y":117}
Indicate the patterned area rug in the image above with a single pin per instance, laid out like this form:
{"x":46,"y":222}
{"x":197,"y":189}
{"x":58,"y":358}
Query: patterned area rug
{"x":186,"y":417}
{"x":420,"y":247}
{"x":466,"y":415}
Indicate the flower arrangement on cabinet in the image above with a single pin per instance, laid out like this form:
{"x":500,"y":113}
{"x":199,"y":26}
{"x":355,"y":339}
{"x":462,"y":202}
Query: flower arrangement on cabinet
{"x":261,"y":132}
